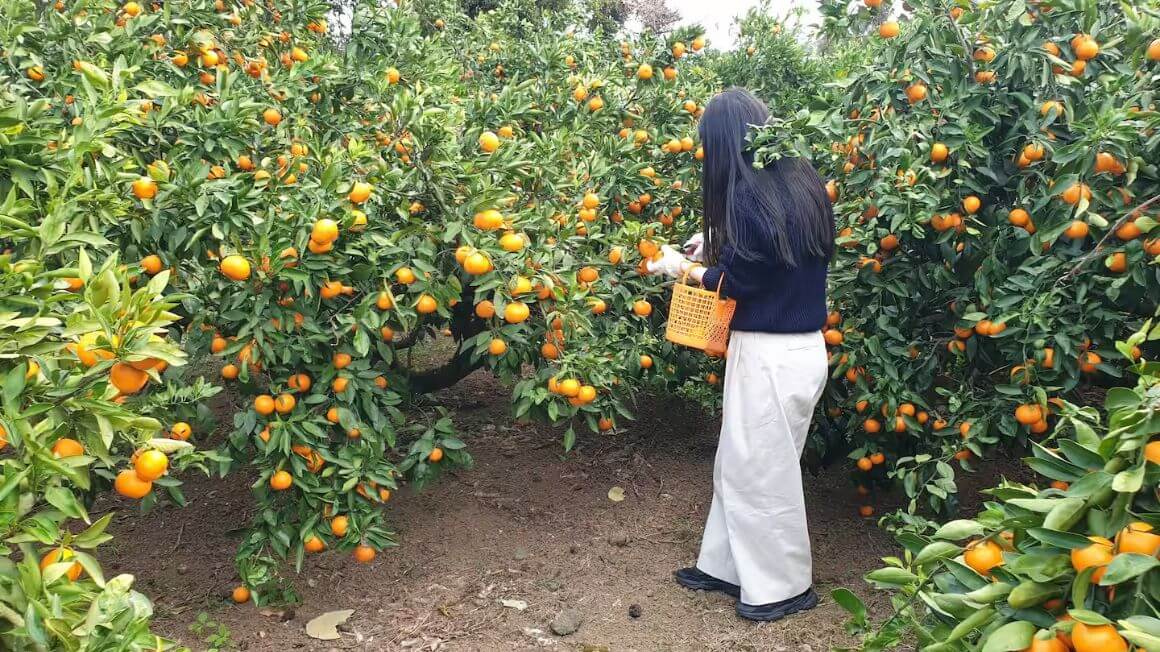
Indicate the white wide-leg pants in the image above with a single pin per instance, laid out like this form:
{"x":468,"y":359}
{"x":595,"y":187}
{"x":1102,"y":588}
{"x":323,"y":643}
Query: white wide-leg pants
{"x":756,"y":534}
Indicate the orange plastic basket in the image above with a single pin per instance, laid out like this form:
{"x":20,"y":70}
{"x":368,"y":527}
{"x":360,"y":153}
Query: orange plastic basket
{"x":699,"y":318}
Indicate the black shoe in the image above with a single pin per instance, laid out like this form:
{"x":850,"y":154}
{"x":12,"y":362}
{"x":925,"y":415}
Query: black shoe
{"x":778,"y":610}
{"x":692,"y":578}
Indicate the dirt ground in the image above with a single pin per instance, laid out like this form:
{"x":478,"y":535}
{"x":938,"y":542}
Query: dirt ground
{"x":527,"y":524}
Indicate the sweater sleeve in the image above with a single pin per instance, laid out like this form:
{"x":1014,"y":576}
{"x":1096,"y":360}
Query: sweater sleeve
{"x":743,"y":278}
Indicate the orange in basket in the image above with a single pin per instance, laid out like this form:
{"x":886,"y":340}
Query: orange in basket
{"x":699,"y":318}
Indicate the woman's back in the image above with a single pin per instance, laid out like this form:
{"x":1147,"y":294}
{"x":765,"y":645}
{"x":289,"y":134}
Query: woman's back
{"x":777,"y":273}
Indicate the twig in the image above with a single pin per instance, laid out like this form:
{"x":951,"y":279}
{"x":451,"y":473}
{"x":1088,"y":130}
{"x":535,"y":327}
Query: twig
{"x":178,"y":543}
{"x":1100,"y":245}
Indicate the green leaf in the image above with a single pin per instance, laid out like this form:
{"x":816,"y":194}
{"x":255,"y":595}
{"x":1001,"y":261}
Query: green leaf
{"x":1126,"y":566}
{"x":1064,"y":514}
{"x":1129,"y":481}
{"x":891,"y":577}
{"x":958,"y":530}
{"x":66,"y":502}
{"x":1012,"y":636}
{"x":936,"y":551}
{"x":1065,"y":540}
{"x":853,"y":605}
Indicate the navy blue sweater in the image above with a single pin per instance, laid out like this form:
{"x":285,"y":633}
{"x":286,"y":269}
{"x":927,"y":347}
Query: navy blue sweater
{"x":771,"y":296}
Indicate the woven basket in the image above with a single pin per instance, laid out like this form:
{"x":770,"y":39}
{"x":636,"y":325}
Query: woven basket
{"x":699,"y":318}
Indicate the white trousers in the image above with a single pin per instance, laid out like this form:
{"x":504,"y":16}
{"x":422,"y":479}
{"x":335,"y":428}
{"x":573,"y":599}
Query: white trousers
{"x":756,"y":534}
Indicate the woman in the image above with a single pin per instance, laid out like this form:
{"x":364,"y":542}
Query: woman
{"x":767,"y":239}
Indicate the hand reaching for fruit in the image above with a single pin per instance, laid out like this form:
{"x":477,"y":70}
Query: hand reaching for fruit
{"x":671,"y":263}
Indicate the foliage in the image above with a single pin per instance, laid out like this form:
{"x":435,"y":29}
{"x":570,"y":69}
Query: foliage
{"x":1073,"y":559}
{"x":78,"y":340}
{"x":994,"y":201}
{"x":321,"y":206}
{"x":771,"y":62}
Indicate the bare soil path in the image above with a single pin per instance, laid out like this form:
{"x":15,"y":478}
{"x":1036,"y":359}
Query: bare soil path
{"x":527,"y":524}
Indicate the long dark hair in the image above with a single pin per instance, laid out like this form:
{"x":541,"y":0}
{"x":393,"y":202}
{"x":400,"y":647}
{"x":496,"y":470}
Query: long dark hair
{"x":796,"y":218}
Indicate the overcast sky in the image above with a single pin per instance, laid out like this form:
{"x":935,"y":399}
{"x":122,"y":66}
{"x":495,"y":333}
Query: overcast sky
{"x":717,"y":15}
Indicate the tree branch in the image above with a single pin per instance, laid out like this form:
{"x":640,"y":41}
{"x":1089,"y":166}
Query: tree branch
{"x":1100,"y":245}
{"x":464,"y":326}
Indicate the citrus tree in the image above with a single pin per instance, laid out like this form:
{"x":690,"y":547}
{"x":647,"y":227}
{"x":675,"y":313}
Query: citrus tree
{"x":1066,"y":563}
{"x":322,"y":199}
{"x":83,"y":344}
{"x":993,"y":172}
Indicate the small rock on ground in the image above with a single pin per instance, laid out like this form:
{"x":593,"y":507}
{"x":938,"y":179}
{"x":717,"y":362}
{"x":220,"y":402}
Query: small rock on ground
{"x":567,"y":622}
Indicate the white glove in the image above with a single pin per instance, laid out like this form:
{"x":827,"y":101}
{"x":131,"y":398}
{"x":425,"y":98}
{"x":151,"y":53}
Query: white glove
{"x":671,"y":263}
{"x":694,"y":248}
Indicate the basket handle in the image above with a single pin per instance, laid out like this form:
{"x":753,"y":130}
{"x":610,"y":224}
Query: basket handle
{"x":720,"y":281}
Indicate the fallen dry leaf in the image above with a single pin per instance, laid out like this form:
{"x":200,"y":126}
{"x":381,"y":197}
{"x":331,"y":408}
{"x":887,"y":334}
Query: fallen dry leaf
{"x":616,"y":494}
{"x":518,"y":605}
{"x":325,"y":626}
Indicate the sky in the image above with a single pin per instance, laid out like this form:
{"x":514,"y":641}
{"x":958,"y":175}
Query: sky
{"x":717,"y":15}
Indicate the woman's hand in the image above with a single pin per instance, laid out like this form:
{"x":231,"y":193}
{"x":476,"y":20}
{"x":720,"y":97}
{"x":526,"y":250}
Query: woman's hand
{"x":694,"y":248}
{"x":671,"y":263}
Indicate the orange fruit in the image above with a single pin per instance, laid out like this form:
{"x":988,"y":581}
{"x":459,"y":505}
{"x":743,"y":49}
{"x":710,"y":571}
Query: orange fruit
{"x":1139,"y":538}
{"x":436,"y":454}
{"x":871,"y":426}
{"x":360,"y":192}
{"x":426,"y":304}
{"x":833,"y":337}
{"x":272,"y":116}
{"x":341,"y":360}
{"x":485,"y":309}
{"x":877,"y":458}
{"x":129,"y":485}
{"x":569,"y":387}
{"x":281,"y":480}
{"x":641,"y":308}
{"x":1077,"y":230}
{"x":477,"y":263}
{"x":235,"y":267}
{"x":313,"y":544}
{"x":864,"y":464}
{"x":588,"y":274}
{"x":889,"y":29}
{"x":866,"y":511}
{"x":1117,"y":263}
{"x":65,"y":447}
{"x":1088,"y":362}
{"x":151,"y":264}
{"x":57,"y":555}
{"x":516,"y":312}
{"x":1028,"y":414}
{"x":1098,"y":554}
{"x":364,"y":554}
{"x":264,"y":404}
{"x":916,"y":92}
{"x":299,"y":382}
{"x":405,"y":276}
{"x":938,"y":153}
{"x":971,"y":204}
{"x":1086,"y":48}
{"x":240,"y":594}
{"x":646,"y":362}
{"x":127,"y":379}
{"x":230,"y":371}
{"x":982,"y":556}
{"x":284,"y":403}
{"x":150,"y":465}
{"x":1128,"y":231}
{"x":1097,"y":638}
{"x":488,"y":142}
{"x":144,"y":188}
{"x":497,"y":347}
{"x":324,"y":231}
{"x":1073,"y":193}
